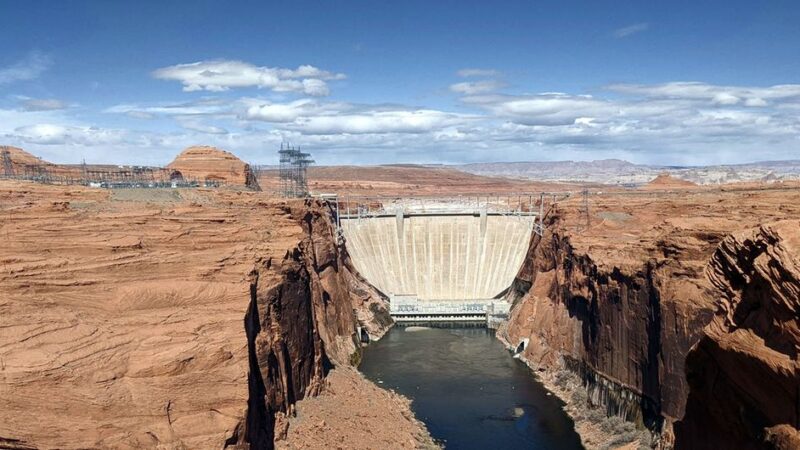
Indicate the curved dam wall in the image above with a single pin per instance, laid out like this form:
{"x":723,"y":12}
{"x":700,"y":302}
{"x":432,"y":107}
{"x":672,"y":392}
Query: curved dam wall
{"x":439,"y":257}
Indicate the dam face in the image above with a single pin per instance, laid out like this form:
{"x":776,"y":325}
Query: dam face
{"x":447,"y":257}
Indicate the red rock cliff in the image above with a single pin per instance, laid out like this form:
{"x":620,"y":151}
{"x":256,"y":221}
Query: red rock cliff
{"x":134,"y":319}
{"x":671,"y":321}
{"x":205,"y":163}
{"x":302,"y":323}
{"x":744,"y":374}
{"x":620,"y":328}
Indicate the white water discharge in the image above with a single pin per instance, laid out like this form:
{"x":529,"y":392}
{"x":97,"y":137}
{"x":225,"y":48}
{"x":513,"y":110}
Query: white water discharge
{"x":444,"y":257}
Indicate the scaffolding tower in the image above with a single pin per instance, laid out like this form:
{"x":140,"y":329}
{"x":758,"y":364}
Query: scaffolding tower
{"x":292,"y":170}
{"x":8,"y":168}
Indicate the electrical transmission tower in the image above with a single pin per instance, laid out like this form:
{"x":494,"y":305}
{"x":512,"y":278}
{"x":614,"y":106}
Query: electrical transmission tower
{"x":84,"y":174}
{"x":8,"y":168}
{"x":292,"y":171}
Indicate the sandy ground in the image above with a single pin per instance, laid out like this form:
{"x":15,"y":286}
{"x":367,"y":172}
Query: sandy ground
{"x":625,"y":227}
{"x":352,"y":413}
{"x":408,"y":181}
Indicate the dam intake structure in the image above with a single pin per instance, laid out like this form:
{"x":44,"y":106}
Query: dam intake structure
{"x":441,"y":259}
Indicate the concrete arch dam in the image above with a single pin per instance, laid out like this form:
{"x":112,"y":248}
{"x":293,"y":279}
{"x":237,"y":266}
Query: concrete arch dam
{"x":449,"y":264}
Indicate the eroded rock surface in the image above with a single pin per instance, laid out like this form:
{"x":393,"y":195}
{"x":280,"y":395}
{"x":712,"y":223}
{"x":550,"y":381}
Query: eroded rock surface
{"x":620,"y":298}
{"x":299,"y":324}
{"x":744,"y":374}
{"x":205,"y":163}
{"x":122,"y":317}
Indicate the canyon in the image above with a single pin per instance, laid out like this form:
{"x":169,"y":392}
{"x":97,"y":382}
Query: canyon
{"x":178,"y":318}
{"x":197,"y":318}
{"x":670,"y":310}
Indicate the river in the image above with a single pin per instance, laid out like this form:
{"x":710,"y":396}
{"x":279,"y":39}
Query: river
{"x":468,"y":389}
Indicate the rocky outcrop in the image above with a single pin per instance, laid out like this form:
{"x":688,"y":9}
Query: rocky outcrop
{"x":619,"y":328}
{"x":123,"y":322}
{"x":205,"y":163}
{"x":301,"y":324}
{"x":667,"y":181}
{"x":624,"y":329}
{"x":26,"y":165}
{"x":744,"y":374}
{"x":680,"y":324}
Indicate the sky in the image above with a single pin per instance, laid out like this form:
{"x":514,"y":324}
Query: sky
{"x":365,"y":82}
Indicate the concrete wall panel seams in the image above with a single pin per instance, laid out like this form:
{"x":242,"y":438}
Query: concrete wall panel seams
{"x":439,"y":258}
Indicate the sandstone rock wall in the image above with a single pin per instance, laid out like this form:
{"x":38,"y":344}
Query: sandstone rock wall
{"x":132,"y":321}
{"x":744,"y":374}
{"x":302,"y":324}
{"x":205,"y":163}
{"x":620,"y":328}
{"x":627,"y":327}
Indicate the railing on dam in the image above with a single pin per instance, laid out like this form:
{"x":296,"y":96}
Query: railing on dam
{"x":529,"y":207}
{"x":364,"y":207}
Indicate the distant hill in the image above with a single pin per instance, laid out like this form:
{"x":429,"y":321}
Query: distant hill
{"x":615,"y":171}
{"x":210,"y":163}
{"x":665,"y":180}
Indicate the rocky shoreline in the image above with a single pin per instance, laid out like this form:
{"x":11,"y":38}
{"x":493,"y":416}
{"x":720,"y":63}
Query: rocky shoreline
{"x":596,"y":429}
{"x":647,"y":319}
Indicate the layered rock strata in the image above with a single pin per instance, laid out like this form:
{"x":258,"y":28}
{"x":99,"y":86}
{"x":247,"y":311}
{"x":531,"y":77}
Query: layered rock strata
{"x":664,"y":317}
{"x":615,"y":328}
{"x":205,"y":163}
{"x":744,"y":374}
{"x":299,"y":324}
{"x":135,"y":318}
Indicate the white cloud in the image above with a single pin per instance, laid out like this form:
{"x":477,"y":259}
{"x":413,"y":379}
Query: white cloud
{"x":725,"y":98}
{"x":725,"y":95}
{"x":631,"y":29}
{"x":316,"y":118}
{"x":42,"y":104}
{"x":542,"y":109}
{"x":467,"y":73}
{"x":222,"y":75}
{"x":54,"y":134}
{"x":200,"y":126}
{"x":206,"y":106}
{"x":140,"y":115}
{"x":289,"y":112}
{"x":29,"y":68}
{"x":371,"y":122}
{"x":315,"y":87}
{"x":671,"y":123}
{"x":476,"y":87}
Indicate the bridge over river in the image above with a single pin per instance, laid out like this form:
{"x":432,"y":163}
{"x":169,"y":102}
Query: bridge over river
{"x":442,"y":259}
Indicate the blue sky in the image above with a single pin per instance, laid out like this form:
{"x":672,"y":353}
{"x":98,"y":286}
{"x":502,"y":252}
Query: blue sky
{"x":383,"y":82}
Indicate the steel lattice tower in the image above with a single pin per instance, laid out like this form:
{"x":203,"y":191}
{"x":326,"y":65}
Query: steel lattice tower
{"x":292,"y":171}
{"x":8,"y":168}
